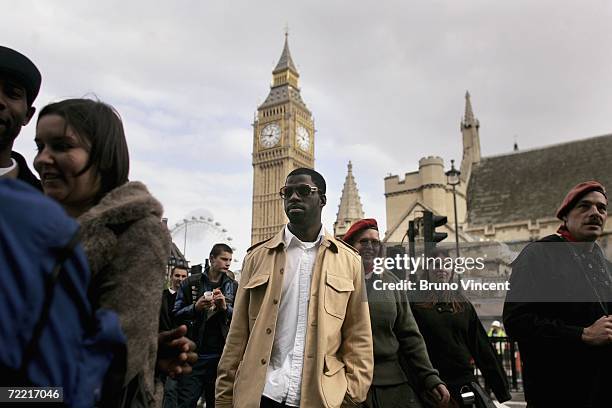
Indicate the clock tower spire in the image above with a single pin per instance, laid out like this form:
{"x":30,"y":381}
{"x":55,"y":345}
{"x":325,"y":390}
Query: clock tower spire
{"x":283,"y":140}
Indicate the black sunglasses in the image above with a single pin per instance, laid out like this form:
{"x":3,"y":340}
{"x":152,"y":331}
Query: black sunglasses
{"x":303,"y":190}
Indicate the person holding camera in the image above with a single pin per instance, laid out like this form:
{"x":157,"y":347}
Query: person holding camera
{"x":205,"y":301}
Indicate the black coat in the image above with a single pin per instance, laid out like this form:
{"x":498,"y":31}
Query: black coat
{"x":453,"y":339}
{"x":551,"y":300}
{"x":25,"y":174}
{"x":166,"y":322}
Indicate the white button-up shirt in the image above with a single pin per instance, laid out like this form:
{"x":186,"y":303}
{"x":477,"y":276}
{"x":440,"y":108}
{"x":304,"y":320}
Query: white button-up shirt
{"x":284,"y":375}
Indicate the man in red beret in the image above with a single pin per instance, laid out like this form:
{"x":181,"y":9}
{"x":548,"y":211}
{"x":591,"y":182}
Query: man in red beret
{"x":395,"y":333}
{"x":558,"y":307}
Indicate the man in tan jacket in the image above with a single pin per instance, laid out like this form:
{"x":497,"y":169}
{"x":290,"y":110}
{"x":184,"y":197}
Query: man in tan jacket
{"x":300,"y":334}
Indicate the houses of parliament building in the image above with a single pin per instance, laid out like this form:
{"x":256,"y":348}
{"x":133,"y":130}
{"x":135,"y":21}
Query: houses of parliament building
{"x":509,"y":198}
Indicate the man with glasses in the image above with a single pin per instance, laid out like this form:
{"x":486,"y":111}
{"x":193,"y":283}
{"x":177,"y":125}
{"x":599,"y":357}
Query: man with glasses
{"x":300,"y":335}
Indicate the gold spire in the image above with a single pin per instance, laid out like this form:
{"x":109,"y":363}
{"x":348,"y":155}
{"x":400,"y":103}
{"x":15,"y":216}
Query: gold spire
{"x":285,"y":62}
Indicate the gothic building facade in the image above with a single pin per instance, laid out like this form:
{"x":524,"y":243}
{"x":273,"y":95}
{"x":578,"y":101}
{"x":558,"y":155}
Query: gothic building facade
{"x":510,"y":198}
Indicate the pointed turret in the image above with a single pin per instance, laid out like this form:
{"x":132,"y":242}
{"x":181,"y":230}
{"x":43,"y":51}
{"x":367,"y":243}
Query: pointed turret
{"x":285,"y":62}
{"x":284,"y":81}
{"x":471,"y":139}
{"x":468,"y":119}
{"x":350,"y":208}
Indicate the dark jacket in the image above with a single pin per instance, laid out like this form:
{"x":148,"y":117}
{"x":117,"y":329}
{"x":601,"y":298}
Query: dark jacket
{"x":25,"y":174}
{"x":453,"y":339}
{"x":190,"y":291}
{"x":551,"y":300}
{"x":166,"y":321}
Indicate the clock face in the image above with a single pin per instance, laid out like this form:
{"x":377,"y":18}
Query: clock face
{"x":270,"y":135}
{"x":303,"y":138}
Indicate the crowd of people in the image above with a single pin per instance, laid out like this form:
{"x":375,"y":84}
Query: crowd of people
{"x":83,"y":163}
{"x":83,"y":259}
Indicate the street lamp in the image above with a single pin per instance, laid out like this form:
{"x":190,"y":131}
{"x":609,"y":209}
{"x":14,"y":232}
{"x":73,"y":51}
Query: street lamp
{"x":452,"y":179}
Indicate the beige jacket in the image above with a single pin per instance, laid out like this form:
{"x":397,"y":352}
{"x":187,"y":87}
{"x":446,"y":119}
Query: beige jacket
{"x":338,"y":357}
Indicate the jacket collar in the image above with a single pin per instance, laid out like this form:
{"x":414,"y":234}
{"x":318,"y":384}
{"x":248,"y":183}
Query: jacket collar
{"x":127,"y":203}
{"x":24,"y":172}
{"x":278,"y":240}
{"x":223,"y":278}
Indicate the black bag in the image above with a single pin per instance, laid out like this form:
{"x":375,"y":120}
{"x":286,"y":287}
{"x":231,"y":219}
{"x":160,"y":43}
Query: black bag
{"x":482,"y":399}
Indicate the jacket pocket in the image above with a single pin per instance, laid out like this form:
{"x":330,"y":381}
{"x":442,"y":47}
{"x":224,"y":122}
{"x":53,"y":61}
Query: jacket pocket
{"x":256,"y":286}
{"x":333,"y":381}
{"x":257,"y":281}
{"x":337,"y":292}
{"x":332,"y":366}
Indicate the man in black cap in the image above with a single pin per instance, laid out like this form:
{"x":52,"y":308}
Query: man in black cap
{"x":19,"y":86}
{"x":559,"y":304}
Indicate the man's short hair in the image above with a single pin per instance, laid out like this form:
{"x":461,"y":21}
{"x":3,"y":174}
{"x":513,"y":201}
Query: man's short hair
{"x":19,"y":68}
{"x":316,"y":177}
{"x":182,"y":267}
{"x":217,"y":249}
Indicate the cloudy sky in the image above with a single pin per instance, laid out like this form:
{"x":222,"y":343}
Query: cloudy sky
{"x":385,"y":82}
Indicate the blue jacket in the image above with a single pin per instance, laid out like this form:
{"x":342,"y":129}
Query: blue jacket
{"x":193,"y":288}
{"x":77,"y":344}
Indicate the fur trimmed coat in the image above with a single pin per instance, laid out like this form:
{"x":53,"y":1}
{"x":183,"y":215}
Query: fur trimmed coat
{"x":128,"y":247}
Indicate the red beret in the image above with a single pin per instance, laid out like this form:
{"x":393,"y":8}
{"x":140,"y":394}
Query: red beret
{"x":576,"y":193}
{"x":356,"y":228}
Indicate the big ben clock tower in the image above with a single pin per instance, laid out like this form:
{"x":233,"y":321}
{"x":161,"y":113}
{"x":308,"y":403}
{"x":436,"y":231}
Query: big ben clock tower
{"x":283,"y":140}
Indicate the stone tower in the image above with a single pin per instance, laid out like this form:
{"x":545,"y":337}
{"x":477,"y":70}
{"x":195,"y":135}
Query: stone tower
{"x":350,"y":208}
{"x":283,"y":140}
{"x":471,"y":140}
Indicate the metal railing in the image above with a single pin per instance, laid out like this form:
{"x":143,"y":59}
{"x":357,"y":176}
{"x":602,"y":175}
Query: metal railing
{"x":508,"y":354}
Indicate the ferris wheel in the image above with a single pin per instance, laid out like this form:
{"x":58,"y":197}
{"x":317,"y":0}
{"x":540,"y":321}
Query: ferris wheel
{"x":195,"y":235}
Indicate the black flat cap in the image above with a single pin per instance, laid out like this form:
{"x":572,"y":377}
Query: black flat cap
{"x":21,"y":69}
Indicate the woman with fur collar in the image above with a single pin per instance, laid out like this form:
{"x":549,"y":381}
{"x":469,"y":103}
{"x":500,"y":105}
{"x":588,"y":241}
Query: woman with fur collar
{"x":83,"y":163}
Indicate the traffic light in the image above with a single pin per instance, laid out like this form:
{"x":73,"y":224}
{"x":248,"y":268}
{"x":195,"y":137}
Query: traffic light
{"x":413,"y":232}
{"x":392,"y":252}
{"x":430,"y":223}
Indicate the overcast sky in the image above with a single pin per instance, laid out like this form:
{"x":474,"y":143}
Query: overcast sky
{"x":385,"y":82}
